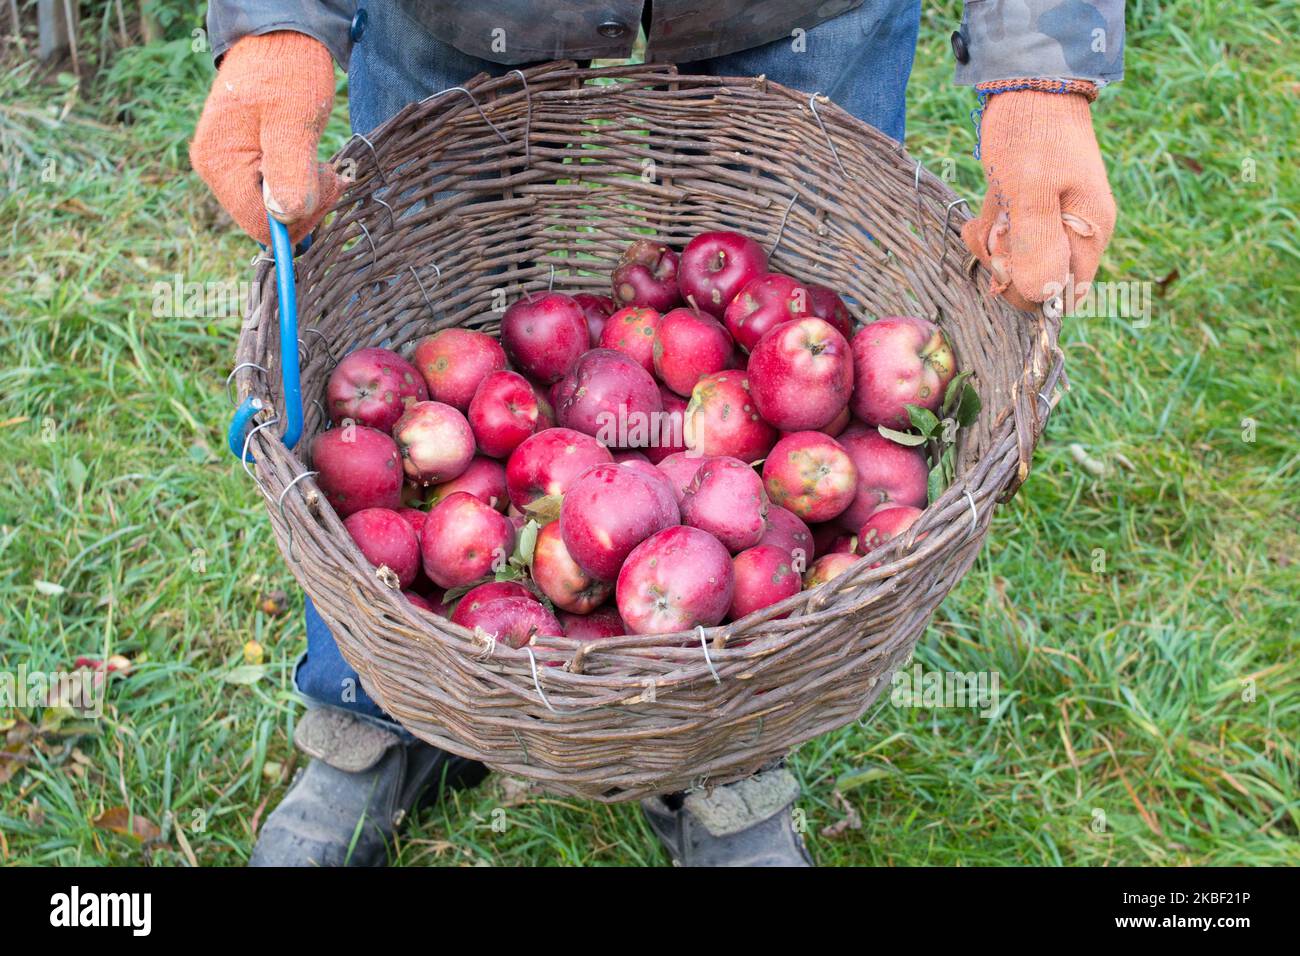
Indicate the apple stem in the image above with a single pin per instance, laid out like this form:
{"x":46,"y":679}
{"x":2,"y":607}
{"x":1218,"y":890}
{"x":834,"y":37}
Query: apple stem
{"x":691,"y":300}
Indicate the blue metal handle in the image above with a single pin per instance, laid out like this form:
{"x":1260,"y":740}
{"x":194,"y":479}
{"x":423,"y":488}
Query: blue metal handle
{"x":289,"y":371}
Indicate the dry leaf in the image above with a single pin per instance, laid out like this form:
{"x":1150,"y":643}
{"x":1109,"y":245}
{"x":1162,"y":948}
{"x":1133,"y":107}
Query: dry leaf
{"x":120,"y":820}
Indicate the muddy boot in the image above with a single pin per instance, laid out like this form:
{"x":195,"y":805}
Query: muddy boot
{"x":746,"y":823}
{"x":363,"y":779}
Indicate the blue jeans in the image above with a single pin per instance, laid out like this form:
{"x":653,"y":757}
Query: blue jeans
{"x":861,"y":60}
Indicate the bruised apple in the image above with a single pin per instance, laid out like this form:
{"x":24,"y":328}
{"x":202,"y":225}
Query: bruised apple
{"x":464,"y":539}
{"x":764,"y":303}
{"x":715,"y":266}
{"x":373,"y":387}
{"x":512,"y":620}
{"x":609,"y":395}
{"x":722,"y":419}
{"x":675,"y":580}
{"x":454,"y":361}
{"x":828,"y":567}
{"x":825,"y":303}
{"x":899,"y":361}
{"x":764,"y":575}
{"x":888,"y":474}
{"x":503,"y":413}
{"x":387,"y":540}
{"x":885,"y":524}
{"x":801,"y":374}
{"x":726,"y":499}
{"x":788,"y":532}
{"x":549,"y":462}
{"x":435,"y":441}
{"x":688,"y":345}
{"x":485,"y":479}
{"x":544,"y":334}
{"x":646,"y":276}
{"x":811,"y":475}
{"x":632,"y":332}
{"x":596,"y":309}
{"x":358,"y":468}
{"x":561,"y":579}
{"x":609,"y":511}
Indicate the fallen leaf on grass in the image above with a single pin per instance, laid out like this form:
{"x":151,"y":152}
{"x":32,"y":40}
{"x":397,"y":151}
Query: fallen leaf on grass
{"x":120,"y":820}
{"x":245,"y":675}
{"x":850,"y":820}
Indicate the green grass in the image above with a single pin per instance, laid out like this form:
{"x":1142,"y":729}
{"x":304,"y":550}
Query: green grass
{"x":1149,"y":703}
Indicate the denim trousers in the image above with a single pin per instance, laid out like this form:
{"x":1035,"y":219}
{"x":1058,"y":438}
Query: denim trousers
{"x":861,"y":60}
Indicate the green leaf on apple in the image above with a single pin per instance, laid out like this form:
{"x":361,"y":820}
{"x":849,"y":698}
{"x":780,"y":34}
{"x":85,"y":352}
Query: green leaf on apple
{"x":941,"y":475}
{"x":968,"y":406}
{"x":545,"y":509}
{"x":903,"y":438}
{"x":952,"y":396}
{"x":923,"y":420}
{"x":528,"y":542}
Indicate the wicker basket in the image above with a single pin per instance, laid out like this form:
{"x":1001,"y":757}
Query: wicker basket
{"x":465,"y":200}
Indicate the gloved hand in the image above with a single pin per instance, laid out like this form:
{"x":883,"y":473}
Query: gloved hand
{"x":256,"y":142}
{"x":1048,"y":212}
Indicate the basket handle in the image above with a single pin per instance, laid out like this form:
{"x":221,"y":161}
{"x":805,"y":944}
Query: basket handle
{"x":287,"y":294}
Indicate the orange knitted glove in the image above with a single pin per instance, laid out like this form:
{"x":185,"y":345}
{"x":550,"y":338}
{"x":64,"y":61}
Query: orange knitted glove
{"x":1048,"y":212}
{"x":256,"y":142}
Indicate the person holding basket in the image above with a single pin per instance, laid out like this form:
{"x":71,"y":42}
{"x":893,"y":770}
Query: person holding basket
{"x":1047,"y":216}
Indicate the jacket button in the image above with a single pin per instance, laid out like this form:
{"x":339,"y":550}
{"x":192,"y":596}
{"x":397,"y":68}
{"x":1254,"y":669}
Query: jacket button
{"x":358,"y":25}
{"x":959,"y":49}
{"x":612,"y":29}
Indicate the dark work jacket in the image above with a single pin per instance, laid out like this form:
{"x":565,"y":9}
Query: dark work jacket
{"x":998,"y":39}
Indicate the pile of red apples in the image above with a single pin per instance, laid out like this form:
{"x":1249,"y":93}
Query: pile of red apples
{"x":702,"y":443}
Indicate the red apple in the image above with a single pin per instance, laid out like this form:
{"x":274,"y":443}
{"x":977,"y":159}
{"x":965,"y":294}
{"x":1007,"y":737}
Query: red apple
{"x":715,"y":266}
{"x":602,"y":622}
{"x":829,"y":567}
{"x":829,"y":537}
{"x":888,"y":473}
{"x":659,"y":479}
{"x":811,"y":475}
{"x":476,"y":597}
{"x":373,"y":387}
{"x":675,"y":580}
{"x":672,"y":428}
{"x":680,"y":468}
{"x":561,"y":579}
{"x":485,"y":479}
{"x":801,"y":374}
{"x":608,"y":395}
{"x":502,"y":413}
{"x":726,"y":499}
{"x":544,"y":334}
{"x":899,"y":361}
{"x":596,"y":309}
{"x":764,"y":303}
{"x":632,"y":332}
{"x":885,"y":524}
{"x":414,"y":517}
{"x":464,"y":539}
{"x":646,"y":275}
{"x":609,"y":511}
{"x":787,"y":531}
{"x":435,"y":441}
{"x":423,"y":603}
{"x":358,"y":467}
{"x":825,"y":303}
{"x":838,"y":423}
{"x":764,"y":575}
{"x":512,"y":620}
{"x":688,"y":345}
{"x":454,"y":361}
{"x":549,"y":462}
{"x":722,"y":419}
{"x":387,"y":540}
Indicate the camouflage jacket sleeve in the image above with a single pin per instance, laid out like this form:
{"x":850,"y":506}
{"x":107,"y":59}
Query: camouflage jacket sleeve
{"x":329,"y":21}
{"x":1049,"y":39}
